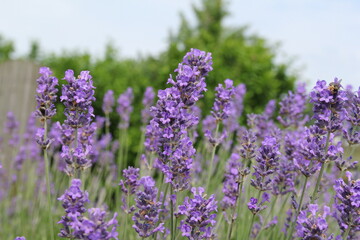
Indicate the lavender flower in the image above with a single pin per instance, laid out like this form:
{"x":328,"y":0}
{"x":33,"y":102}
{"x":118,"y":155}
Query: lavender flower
{"x":190,"y":80}
{"x":292,"y":108}
{"x":313,"y":226}
{"x":352,"y":116}
{"x":267,"y":163}
{"x":167,"y":133}
{"x":73,"y":201}
{"x":20,"y":238}
{"x":146,"y":220}
{"x":78,"y":131}
{"x":222,"y":104}
{"x":95,"y":227}
{"x":77,"y":97}
{"x":236,"y":108}
{"x":328,"y":105}
{"x":147,"y":102}
{"x":129,"y":186}
{"x":46,"y":97}
{"x":255,"y":207}
{"x":200,"y":216}
{"x":11,"y":127}
{"x":124,"y":108}
{"x":247,"y":145}
{"x":347,"y":204}
{"x":108,"y":102}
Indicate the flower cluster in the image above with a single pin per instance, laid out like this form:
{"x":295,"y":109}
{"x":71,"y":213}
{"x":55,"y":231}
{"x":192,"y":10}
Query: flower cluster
{"x":11,"y":127}
{"x":352,"y":116}
{"x":292,"y":108}
{"x":255,"y":207}
{"x":236,"y":108}
{"x":129,"y":186}
{"x":148,"y":101}
{"x":77,"y":96}
{"x":108,"y":102}
{"x":46,"y":96}
{"x":347,"y":204}
{"x":313,"y":226}
{"x":167,"y":132}
{"x":73,"y":201}
{"x":146,"y":219}
{"x":328,"y":105}
{"x":200,"y":216}
{"x":124,"y":107}
{"x":222,"y":105}
{"x":267,"y":163}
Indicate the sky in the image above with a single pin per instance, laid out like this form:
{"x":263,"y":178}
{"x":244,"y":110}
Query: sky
{"x":321,"y":37}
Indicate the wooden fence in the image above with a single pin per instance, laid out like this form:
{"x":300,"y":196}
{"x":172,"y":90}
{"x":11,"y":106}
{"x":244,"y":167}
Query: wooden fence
{"x":17,"y":90}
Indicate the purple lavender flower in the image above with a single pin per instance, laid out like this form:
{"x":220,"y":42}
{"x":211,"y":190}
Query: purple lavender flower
{"x":20,"y":238}
{"x":95,"y":227}
{"x":347,"y":204}
{"x":255,"y":207}
{"x":292,"y":108}
{"x":222,"y":104}
{"x":124,"y":108}
{"x":328,"y":105}
{"x":11,"y":127}
{"x":313,"y":226}
{"x":267,"y":163}
{"x":108,"y":102}
{"x":129,"y":186}
{"x":352,"y":116}
{"x":73,"y":201}
{"x":233,"y":176}
{"x":190,"y":79}
{"x":46,"y":97}
{"x":167,"y":133}
{"x":148,"y":101}
{"x":77,"y":97}
{"x":247,"y":145}
{"x":146,"y":219}
{"x":200,"y":216}
{"x":236,"y":108}
{"x":77,"y":129}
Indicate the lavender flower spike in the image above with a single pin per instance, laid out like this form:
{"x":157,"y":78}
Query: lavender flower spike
{"x":313,"y":226}
{"x":20,"y":238}
{"x":147,"y":102}
{"x":73,"y":201}
{"x":347,"y":204}
{"x":124,"y":108}
{"x":200,"y":216}
{"x":108,"y":102}
{"x":146,"y":220}
{"x":129,"y":186}
{"x":46,"y":97}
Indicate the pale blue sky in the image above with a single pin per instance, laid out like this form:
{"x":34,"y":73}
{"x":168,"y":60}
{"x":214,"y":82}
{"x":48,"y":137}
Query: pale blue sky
{"x":323,"y":35}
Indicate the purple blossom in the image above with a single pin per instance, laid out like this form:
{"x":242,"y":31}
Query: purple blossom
{"x":77,"y":96}
{"x":328,"y":105}
{"x":191,"y":73}
{"x":95,"y":227}
{"x":148,"y":101}
{"x":352,"y":115}
{"x":222,"y":105}
{"x":247,"y":145}
{"x":267,"y":163}
{"x":73,"y":201}
{"x":20,"y":238}
{"x":200,"y":216}
{"x":124,"y":107}
{"x":292,"y":108}
{"x":234,"y":174}
{"x":46,"y":94}
{"x":108,"y":102}
{"x":347,"y":205}
{"x":11,"y":127}
{"x":311,"y":224}
{"x":255,"y":207}
{"x":236,"y":108}
{"x":146,"y":219}
{"x":129,"y":186}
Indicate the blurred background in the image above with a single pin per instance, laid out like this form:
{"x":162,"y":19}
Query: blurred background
{"x":268,"y":45}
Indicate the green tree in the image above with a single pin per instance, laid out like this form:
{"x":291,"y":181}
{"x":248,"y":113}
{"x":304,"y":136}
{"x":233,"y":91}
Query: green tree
{"x":6,"y":49}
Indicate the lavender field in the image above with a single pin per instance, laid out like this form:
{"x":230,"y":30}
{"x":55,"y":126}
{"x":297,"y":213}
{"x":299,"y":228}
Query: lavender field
{"x":289,"y":172}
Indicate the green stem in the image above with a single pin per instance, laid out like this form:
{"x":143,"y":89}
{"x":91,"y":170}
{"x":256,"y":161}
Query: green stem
{"x":239,"y":188}
{"x":316,"y":190}
{"x":212,"y":158}
{"x":298,"y":209}
{"x":172,"y":214}
{"x":48,"y":189}
{"x":346,"y":234}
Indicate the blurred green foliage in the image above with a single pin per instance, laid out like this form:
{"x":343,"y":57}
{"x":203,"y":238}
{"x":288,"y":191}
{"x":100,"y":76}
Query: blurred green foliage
{"x":238,"y":55}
